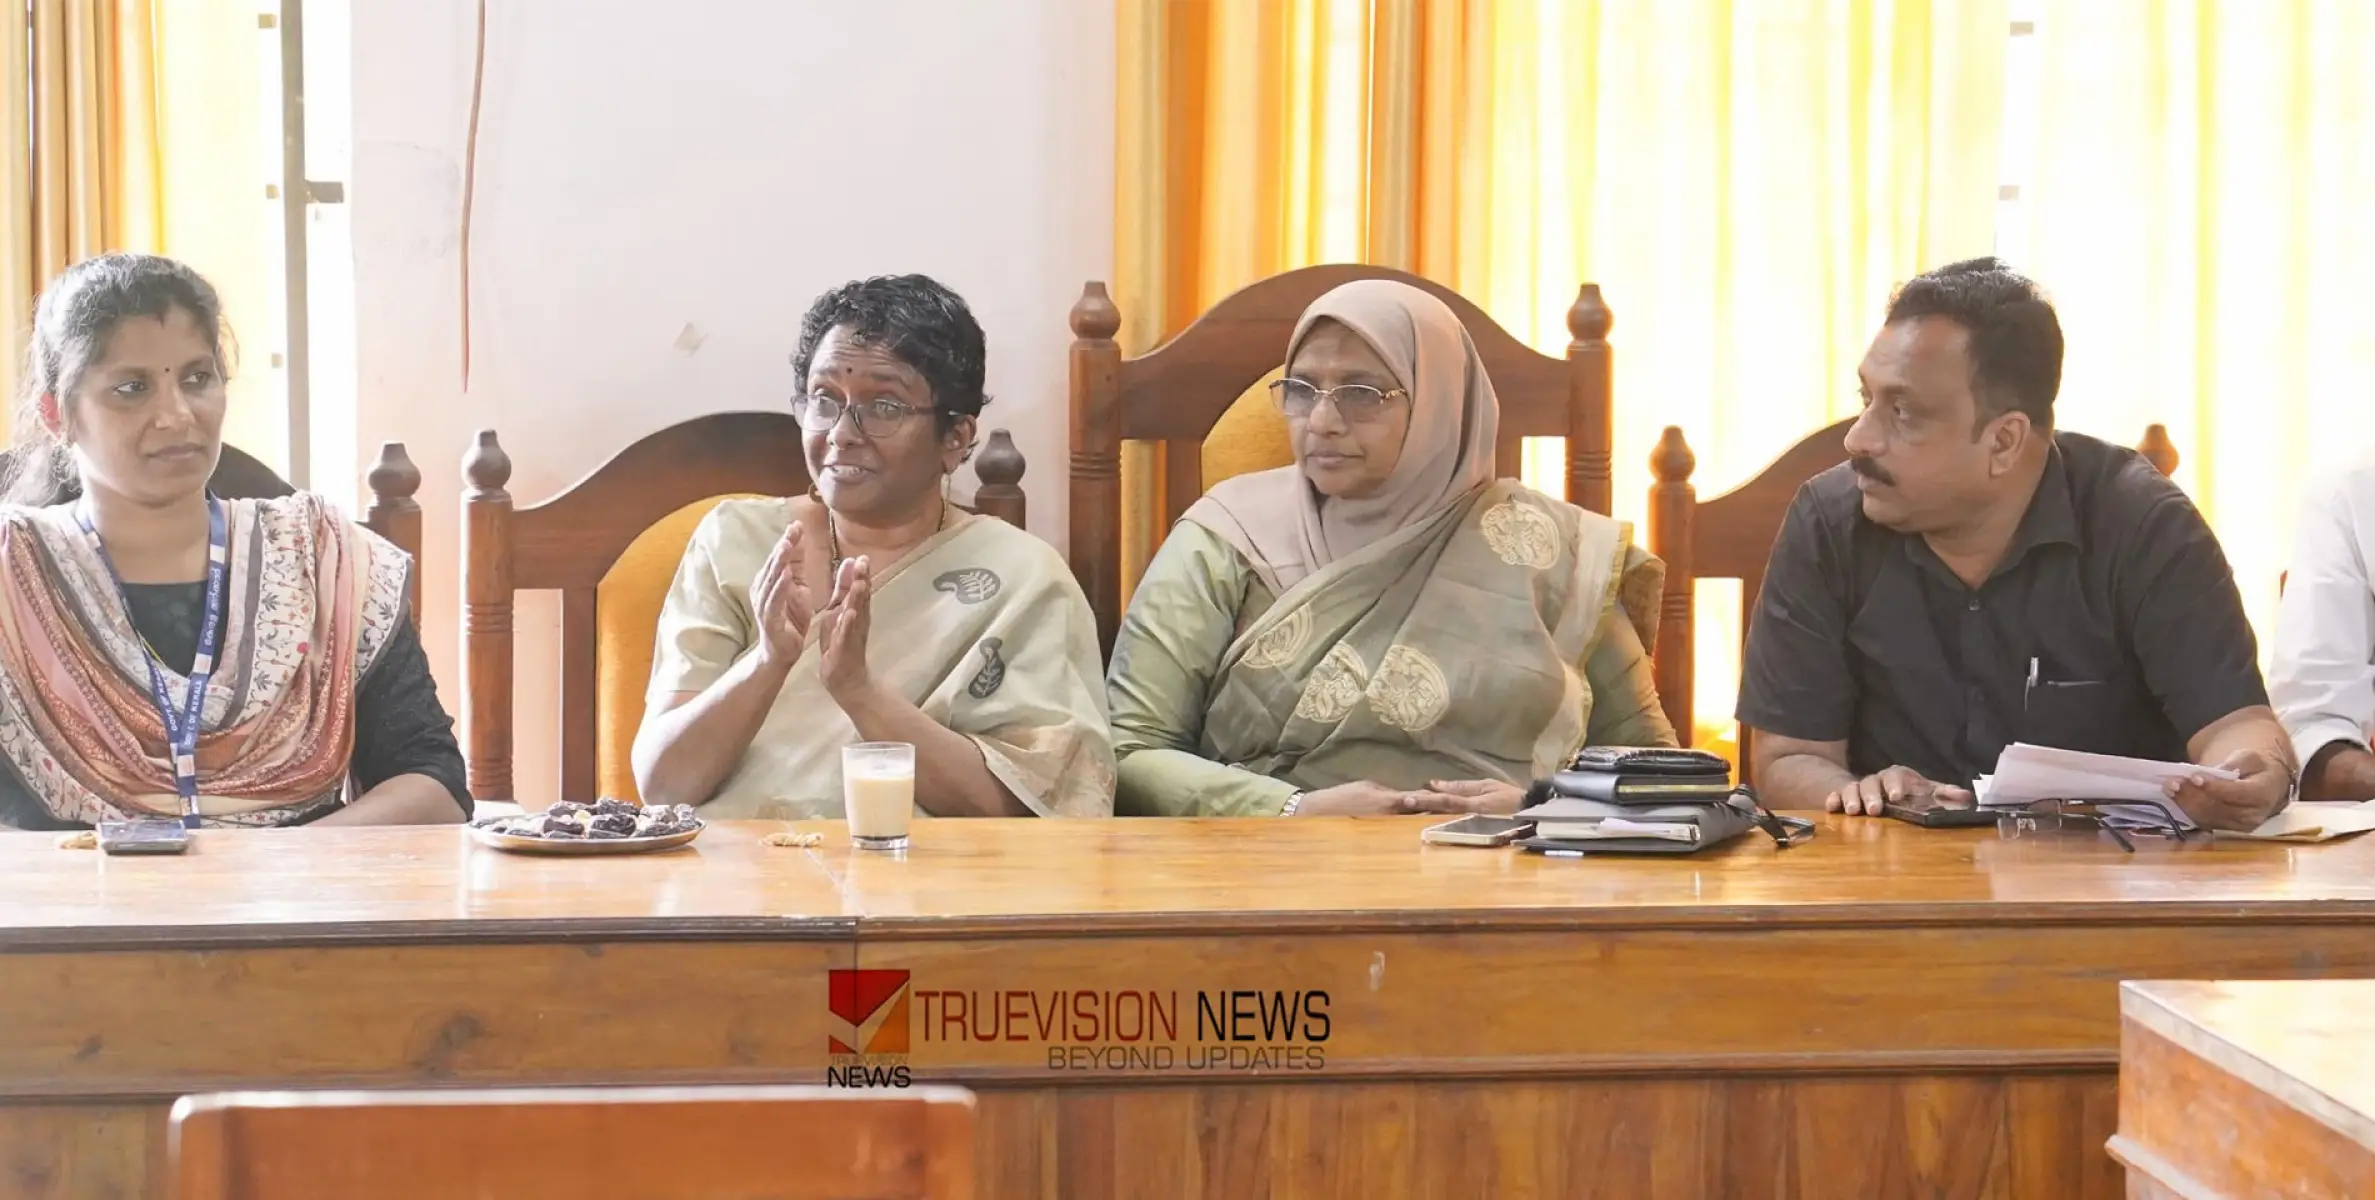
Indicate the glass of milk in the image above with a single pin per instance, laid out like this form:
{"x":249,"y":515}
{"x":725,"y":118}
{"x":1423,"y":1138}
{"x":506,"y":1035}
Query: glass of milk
{"x":878,"y":790}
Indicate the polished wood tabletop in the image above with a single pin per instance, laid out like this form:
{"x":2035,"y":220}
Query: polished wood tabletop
{"x":295,"y":886}
{"x":301,"y":886}
{"x":1748,"y":1021}
{"x":1352,"y":871}
{"x":2308,"y":1042}
{"x":2259,"y":1087}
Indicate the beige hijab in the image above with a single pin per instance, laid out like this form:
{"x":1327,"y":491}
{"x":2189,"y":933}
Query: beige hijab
{"x":1285,"y":527}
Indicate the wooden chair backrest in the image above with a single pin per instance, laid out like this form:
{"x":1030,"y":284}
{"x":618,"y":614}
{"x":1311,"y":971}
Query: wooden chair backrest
{"x":569,"y":542}
{"x":1731,"y":537}
{"x":718,"y":1143}
{"x":1175,"y":393}
{"x":393,"y":514}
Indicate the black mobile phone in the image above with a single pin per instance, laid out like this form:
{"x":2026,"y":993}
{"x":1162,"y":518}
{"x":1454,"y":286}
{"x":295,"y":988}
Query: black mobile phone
{"x":1931,"y":815}
{"x":143,"y":837}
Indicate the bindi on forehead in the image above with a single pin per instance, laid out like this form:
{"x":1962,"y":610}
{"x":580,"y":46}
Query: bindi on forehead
{"x":859,"y":364}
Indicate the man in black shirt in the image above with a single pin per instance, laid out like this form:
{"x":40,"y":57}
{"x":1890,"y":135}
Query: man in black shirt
{"x":1970,"y":578}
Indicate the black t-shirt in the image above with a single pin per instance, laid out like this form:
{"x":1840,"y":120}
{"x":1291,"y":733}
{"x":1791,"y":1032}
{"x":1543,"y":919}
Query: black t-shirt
{"x":401,"y":728}
{"x":2112,"y":625}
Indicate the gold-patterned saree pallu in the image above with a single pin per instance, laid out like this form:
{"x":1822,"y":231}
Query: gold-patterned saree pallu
{"x":1455,"y":641}
{"x":312,"y":601}
{"x":982,"y":627}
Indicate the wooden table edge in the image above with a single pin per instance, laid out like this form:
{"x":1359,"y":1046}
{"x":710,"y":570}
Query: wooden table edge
{"x":1956,"y":915}
{"x":1535,"y":1068}
{"x":2168,"y":1176}
{"x":2142,"y":1001}
{"x":463,"y":932}
{"x":1175,"y":923}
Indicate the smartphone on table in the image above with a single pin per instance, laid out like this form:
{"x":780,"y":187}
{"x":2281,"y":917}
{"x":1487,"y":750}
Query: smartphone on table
{"x":1929,"y":814}
{"x":1477,"y":830}
{"x":143,"y":837}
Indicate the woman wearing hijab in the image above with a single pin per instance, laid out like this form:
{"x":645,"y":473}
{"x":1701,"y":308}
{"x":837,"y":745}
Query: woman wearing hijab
{"x":1384,"y":626}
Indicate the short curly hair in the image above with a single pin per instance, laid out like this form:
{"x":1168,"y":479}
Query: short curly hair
{"x":2016,"y":340}
{"x":920,"y":322}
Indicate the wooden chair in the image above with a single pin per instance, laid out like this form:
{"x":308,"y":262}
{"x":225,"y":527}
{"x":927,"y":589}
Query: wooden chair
{"x":1731,"y":536}
{"x":570,"y":543}
{"x":1175,"y":393}
{"x":393,"y":514}
{"x":720,"y":1143}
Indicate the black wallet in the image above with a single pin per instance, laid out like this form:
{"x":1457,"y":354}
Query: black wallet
{"x":1648,"y":760}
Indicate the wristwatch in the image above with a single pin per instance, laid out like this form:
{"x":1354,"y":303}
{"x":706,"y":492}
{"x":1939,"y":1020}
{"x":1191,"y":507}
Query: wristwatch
{"x":1292,"y":803}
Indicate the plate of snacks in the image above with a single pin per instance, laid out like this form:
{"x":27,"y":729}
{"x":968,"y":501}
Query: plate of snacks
{"x":607,"y":826}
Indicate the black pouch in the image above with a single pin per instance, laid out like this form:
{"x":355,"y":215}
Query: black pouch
{"x":1670,"y":828}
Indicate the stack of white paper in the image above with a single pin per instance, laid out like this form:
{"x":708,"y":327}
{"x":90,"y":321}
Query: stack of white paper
{"x":1616,"y":827}
{"x":2127,"y":791}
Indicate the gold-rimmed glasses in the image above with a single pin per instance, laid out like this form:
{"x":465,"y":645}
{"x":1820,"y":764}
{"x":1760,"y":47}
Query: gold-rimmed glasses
{"x":1355,"y":402}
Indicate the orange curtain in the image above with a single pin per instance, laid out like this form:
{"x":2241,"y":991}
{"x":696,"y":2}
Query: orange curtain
{"x":81,"y":168}
{"x":1746,"y":178}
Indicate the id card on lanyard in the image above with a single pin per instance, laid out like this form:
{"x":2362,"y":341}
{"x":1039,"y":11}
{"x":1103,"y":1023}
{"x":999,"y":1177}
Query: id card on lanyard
{"x":181,"y":728}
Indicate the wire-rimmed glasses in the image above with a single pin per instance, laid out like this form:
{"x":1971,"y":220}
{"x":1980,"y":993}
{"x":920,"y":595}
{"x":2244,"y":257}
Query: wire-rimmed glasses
{"x":2046,"y":817}
{"x":819,"y":412}
{"x":1355,"y":402}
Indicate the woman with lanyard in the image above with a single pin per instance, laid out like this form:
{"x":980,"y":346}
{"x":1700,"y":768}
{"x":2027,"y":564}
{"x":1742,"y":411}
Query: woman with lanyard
{"x":168,"y":654}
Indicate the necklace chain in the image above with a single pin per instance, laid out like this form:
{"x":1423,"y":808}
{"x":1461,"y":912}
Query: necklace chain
{"x":833,"y":537}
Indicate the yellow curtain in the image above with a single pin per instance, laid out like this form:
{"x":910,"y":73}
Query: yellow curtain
{"x":87,"y":168}
{"x":2199,"y":205}
{"x":1746,"y":179}
{"x":1243,"y":151}
{"x":81,"y":170}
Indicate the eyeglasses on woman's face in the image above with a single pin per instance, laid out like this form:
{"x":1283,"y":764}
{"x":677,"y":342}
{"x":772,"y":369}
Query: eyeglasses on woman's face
{"x":820,"y":412}
{"x":1355,"y":402}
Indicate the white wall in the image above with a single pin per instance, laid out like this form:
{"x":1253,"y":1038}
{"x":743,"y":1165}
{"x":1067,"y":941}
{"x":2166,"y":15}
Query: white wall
{"x":715,"y":164}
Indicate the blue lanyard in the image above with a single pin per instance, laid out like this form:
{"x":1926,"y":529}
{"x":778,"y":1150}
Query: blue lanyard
{"x":181,"y":730}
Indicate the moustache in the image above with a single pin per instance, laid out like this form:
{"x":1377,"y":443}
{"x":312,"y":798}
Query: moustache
{"x":1871,"y":470}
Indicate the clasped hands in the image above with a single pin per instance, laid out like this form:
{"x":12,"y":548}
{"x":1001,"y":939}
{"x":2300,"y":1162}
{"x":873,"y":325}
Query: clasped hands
{"x":788,"y":616}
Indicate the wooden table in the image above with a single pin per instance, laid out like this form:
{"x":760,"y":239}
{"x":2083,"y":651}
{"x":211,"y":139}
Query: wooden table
{"x":2263,"y":1088}
{"x":1886,"y":1010}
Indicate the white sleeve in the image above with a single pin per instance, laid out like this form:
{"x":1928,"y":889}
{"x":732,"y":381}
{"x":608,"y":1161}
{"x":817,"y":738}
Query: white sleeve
{"x":2322,"y":678}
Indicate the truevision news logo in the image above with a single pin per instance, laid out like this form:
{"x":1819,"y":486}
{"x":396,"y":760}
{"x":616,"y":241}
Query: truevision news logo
{"x":874,"y":1006}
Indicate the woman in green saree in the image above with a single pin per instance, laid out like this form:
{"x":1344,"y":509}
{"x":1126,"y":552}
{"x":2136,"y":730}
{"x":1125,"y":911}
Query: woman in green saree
{"x":1384,"y":626}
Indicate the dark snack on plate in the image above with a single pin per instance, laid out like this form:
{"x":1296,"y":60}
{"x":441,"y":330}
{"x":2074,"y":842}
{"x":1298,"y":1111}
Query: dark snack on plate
{"x":608,"y":819}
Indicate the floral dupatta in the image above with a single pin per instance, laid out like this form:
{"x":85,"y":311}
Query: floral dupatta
{"x":1451,"y":649}
{"x":312,"y":601}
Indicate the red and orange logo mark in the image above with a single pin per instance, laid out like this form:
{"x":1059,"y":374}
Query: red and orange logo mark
{"x":874,"y":1003}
